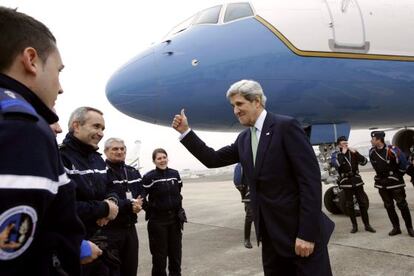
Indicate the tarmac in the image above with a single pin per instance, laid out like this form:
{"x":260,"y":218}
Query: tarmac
{"x":213,"y":236}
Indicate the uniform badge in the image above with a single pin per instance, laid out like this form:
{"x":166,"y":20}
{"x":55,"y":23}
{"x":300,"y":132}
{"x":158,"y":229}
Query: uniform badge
{"x":17,"y":227}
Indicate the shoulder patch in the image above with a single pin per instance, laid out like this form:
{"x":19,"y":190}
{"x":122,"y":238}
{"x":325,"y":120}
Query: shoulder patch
{"x":17,"y":227}
{"x":13,"y":104}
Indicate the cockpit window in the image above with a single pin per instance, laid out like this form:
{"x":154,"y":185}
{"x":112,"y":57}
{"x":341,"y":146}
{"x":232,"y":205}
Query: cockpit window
{"x":237,"y":10}
{"x":181,"y":27}
{"x":212,"y":15}
{"x":208,"y":16}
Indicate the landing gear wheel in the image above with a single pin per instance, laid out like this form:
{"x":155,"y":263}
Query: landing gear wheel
{"x":329,"y":201}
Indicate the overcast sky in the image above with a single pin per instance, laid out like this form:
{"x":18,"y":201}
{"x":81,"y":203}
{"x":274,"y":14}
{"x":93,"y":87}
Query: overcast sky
{"x":95,"y":38}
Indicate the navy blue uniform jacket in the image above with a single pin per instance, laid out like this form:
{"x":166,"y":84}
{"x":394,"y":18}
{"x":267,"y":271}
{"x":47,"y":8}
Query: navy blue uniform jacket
{"x":37,"y":200}
{"x":86,"y":168}
{"x":123,"y":179}
{"x":285,"y":184}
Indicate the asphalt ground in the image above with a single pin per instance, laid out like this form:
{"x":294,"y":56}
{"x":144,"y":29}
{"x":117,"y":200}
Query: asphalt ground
{"x":213,"y":237}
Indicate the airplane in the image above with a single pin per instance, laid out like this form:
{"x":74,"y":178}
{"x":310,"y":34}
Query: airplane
{"x":331,"y":64}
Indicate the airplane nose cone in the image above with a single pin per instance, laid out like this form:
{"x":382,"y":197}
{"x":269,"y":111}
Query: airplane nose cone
{"x":133,"y":88}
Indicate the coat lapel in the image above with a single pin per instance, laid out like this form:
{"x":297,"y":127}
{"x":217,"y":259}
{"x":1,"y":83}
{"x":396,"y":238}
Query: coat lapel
{"x":265,"y":138}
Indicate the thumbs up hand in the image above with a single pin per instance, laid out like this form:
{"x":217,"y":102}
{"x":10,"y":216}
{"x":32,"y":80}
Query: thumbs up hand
{"x":180,"y":122}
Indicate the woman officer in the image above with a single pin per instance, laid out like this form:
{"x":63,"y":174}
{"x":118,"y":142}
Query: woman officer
{"x":165,"y":215}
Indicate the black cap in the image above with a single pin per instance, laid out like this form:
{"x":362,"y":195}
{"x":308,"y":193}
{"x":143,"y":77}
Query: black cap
{"x":340,"y":139}
{"x":378,"y":134}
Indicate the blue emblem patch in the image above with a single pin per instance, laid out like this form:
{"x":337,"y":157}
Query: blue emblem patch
{"x":17,"y":227}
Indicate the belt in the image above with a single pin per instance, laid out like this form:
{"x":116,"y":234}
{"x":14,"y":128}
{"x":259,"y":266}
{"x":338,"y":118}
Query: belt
{"x":349,"y":174}
{"x":385,"y":174}
{"x":164,"y":213}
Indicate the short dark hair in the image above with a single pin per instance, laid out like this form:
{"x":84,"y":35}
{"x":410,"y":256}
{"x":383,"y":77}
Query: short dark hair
{"x":156,"y":151}
{"x":378,"y":134}
{"x":340,"y":139}
{"x":19,"y":31}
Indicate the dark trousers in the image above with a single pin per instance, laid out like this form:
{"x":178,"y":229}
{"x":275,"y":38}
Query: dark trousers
{"x":349,"y":202}
{"x":317,"y":264}
{"x":123,"y":243}
{"x":248,"y":220}
{"x":165,"y":242}
{"x":388,"y":196}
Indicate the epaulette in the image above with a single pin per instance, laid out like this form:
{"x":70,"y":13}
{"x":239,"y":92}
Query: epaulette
{"x":13,"y":106}
{"x":391,"y":147}
{"x":394,"y":150}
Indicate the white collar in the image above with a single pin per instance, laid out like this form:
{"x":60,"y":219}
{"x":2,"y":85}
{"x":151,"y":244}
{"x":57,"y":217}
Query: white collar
{"x":260,"y":120}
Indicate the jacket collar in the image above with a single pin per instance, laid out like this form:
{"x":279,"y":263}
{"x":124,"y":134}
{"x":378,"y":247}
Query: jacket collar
{"x":260,"y":121}
{"x":114,"y":165}
{"x":160,"y":170}
{"x":77,"y":145}
{"x":18,"y":87}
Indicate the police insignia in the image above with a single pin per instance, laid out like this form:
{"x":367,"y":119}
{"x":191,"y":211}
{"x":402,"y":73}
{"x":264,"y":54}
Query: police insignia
{"x":17,"y":227}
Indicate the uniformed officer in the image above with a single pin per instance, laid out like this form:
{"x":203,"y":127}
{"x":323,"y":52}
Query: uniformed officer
{"x":163,"y":207}
{"x":241,"y":185}
{"x":89,"y":251}
{"x":40,"y":233}
{"x":125,"y":181}
{"x":390,"y":165}
{"x":346,"y":161}
{"x":85,"y":166}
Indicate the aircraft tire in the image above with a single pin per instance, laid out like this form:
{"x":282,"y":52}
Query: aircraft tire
{"x":328,"y":200}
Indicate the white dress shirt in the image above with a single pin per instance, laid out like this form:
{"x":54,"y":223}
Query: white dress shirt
{"x":259,"y":123}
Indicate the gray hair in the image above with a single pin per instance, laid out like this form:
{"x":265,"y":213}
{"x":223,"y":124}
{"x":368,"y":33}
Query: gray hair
{"x":79,"y":115}
{"x":249,"y":89}
{"x":110,"y":141}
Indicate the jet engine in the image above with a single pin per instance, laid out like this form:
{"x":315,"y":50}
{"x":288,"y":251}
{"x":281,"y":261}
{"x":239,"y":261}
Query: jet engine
{"x":404,"y":139}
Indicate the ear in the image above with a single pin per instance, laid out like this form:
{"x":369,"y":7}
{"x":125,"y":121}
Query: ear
{"x":31,"y":60}
{"x":75,"y":126}
{"x":258,"y":103}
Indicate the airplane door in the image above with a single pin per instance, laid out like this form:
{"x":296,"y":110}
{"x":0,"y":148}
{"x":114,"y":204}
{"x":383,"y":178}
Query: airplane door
{"x":348,"y":26}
